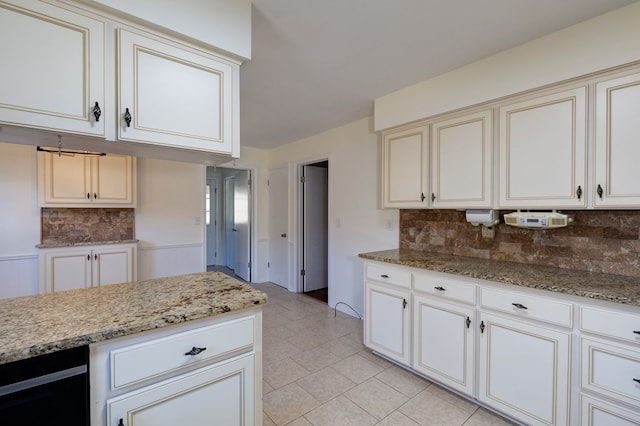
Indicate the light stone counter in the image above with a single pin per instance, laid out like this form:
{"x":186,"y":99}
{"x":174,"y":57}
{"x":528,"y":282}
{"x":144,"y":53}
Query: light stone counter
{"x":607,"y":287}
{"x":35,"y":325}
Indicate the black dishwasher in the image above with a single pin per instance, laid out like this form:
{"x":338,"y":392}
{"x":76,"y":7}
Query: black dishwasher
{"x":51,"y":389}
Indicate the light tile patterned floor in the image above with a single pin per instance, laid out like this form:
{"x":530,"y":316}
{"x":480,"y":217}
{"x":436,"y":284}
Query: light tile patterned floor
{"x":317,"y":372}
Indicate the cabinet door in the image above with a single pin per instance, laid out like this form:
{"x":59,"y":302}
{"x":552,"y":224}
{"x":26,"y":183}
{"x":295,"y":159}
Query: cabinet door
{"x":462,"y":153}
{"x":176,"y":97}
{"x":113,"y":180}
{"x":617,"y":175}
{"x":66,"y":179}
{"x":65,"y":270}
{"x":543,"y":152}
{"x":387,"y":322}
{"x":112,"y":265}
{"x":524,"y":370}
{"x":52,"y":69}
{"x":222,"y":394}
{"x":443,"y":342}
{"x":595,"y":412}
{"x":405,"y":160}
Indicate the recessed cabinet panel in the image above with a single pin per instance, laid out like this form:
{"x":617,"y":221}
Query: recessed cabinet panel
{"x":387,"y":324}
{"x":524,"y":370}
{"x":174,"y":96}
{"x":59,"y":75}
{"x":543,"y":152}
{"x":617,"y":175}
{"x":462,"y":162}
{"x":443,"y":342}
{"x":595,"y":412}
{"x":405,"y":168}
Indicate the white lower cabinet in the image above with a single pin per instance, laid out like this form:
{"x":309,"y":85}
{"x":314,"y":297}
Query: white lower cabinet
{"x":443,"y":342}
{"x":388,"y":321}
{"x":205,"y":372}
{"x":595,"y":412}
{"x":524,"y":370}
{"x":70,"y":268}
{"x":221,"y":394}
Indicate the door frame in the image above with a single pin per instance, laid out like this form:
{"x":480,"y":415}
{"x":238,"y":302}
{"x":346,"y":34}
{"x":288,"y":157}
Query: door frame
{"x":253,"y":219}
{"x":297,"y":282}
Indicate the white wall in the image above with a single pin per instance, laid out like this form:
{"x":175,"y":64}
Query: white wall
{"x":356,"y":224}
{"x":169,"y":218}
{"x":19,"y":221}
{"x":603,"y":42}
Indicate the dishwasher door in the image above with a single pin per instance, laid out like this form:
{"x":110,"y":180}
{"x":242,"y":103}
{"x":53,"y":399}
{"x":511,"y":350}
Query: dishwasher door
{"x":51,"y":389}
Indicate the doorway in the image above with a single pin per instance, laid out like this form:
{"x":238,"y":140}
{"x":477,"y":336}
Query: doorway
{"x":228,"y":228}
{"x":314,"y":214}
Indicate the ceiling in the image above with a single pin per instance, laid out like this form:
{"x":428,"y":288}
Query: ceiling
{"x":319,"y":64}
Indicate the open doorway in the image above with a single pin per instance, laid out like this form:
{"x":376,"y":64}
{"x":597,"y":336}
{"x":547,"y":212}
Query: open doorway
{"x":314,"y":213}
{"x":228,"y":221}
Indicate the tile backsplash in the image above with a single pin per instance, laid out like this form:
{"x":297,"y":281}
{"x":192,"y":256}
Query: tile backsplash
{"x":94,"y":225}
{"x":598,"y":241}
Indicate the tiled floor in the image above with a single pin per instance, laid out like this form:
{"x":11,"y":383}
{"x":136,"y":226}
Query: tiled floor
{"x":317,"y":372}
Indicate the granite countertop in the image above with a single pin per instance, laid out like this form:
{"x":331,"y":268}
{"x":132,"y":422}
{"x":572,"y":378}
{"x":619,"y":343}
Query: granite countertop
{"x":35,"y":325}
{"x":83,"y":243}
{"x":607,"y":287}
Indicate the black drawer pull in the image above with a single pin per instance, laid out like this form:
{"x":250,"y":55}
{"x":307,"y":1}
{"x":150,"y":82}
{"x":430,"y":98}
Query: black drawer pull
{"x":636,"y":380}
{"x":440,"y":288}
{"x":519,"y":305}
{"x":636,"y":331}
{"x":384,"y":276}
{"x":195,"y":351}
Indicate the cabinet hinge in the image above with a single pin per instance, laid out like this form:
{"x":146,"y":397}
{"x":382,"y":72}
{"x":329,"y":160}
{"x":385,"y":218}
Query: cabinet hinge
{"x":268,"y":264}
{"x":303,"y":179}
{"x":303,"y":272}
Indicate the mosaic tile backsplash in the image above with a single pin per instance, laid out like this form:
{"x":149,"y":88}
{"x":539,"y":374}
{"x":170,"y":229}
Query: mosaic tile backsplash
{"x":72,"y":226}
{"x":597,"y":241}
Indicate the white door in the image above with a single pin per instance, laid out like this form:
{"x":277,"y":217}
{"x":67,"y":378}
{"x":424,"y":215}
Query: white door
{"x":443,"y":342}
{"x":112,"y":179}
{"x":387,"y":321}
{"x":279,"y":226}
{"x":405,"y":168}
{"x":542,"y":150}
{"x":221,"y":394}
{"x":229,"y":229}
{"x":67,"y":178}
{"x":113,"y":265}
{"x":211,"y":222}
{"x":524,"y":370}
{"x":175,"y":97}
{"x":314,"y":218}
{"x":52,"y":69}
{"x":241,"y":224}
{"x":68,"y":270}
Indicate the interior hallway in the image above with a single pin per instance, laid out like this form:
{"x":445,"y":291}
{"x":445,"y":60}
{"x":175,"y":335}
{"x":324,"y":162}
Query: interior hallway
{"x":317,"y":372}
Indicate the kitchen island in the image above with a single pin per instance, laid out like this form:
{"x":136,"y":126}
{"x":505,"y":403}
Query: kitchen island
{"x":155,"y":346}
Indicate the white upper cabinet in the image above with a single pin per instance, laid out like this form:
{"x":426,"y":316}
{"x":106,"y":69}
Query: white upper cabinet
{"x":543,"y":151}
{"x":52,"y":70}
{"x":173,"y":96}
{"x":461,"y":152}
{"x":617,"y":151}
{"x":405,"y":159}
{"x":81,"y":181}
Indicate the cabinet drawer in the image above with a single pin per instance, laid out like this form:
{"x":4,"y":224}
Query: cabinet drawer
{"x":388,"y":274}
{"x":611,"y":324}
{"x":445,"y":287}
{"x":611,"y":369}
{"x":599,"y":413}
{"x":145,"y":360}
{"x":524,"y":305}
